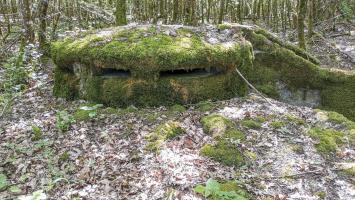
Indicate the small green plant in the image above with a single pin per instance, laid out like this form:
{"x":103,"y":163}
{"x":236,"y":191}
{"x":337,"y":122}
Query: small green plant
{"x":277,"y":124}
{"x":205,"y":106}
{"x":217,"y":191}
{"x":87,"y":112}
{"x":64,"y":121}
{"x":3,"y":182}
{"x":37,"y":133}
{"x":64,"y":157}
{"x":177,"y":108}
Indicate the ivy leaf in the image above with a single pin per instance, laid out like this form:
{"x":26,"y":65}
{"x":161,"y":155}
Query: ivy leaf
{"x":3,"y":181}
{"x":212,"y":187}
{"x":14,"y":189}
{"x":200,"y":189}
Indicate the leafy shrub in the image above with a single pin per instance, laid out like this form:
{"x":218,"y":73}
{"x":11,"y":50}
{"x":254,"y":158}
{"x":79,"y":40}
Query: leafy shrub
{"x":37,"y":133}
{"x":64,"y":121}
{"x":217,"y":191}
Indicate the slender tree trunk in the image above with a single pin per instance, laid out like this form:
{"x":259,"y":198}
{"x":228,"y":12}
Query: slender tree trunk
{"x":221,"y":11}
{"x":310,"y":18}
{"x":43,"y":7}
{"x":29,"y":35}
{"x":121,"y":9}
{"x":301,"y":16}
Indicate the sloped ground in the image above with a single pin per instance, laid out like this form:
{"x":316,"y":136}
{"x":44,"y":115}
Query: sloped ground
{"x":106,"y":157}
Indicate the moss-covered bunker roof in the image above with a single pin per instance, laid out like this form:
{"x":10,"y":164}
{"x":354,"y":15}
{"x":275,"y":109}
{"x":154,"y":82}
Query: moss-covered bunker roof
{"x":152,"y":48}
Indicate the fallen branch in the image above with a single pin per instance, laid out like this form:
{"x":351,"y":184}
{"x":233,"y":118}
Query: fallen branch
{"x":252,"y":87}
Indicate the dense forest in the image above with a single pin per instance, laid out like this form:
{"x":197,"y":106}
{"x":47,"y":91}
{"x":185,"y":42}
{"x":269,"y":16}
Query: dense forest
{"x":177,"y":99}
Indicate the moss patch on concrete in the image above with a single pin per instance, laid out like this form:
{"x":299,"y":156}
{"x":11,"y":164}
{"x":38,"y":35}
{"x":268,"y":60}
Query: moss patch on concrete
{"x":163,"y":133}
{"x":279,"y":61}
{"x":225,"y":150}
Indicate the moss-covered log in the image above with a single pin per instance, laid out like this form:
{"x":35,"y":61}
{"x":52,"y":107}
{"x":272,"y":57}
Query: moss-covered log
{"x":279,"y":61}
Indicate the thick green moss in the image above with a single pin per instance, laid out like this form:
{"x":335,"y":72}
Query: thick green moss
{"x":295,"y":120}
{"x":224,"y":153}
{"x":224,"y":131}
{"x":162,"y":133}
{"x":253,"y":124}
{"x":350,"y":172}
{"x":279,"y":61}
{"x":146,"y":51}
{"x":216,"y":125}
{"x":277,"y":124}
{"x":177,"y":108}
{"x":340,"y":119}
{"x":329,"y":140}
{"x":66,"y":84}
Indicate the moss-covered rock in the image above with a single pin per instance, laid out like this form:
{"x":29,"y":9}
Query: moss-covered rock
{"x":225,"y":150}
{"x":328,"y":140}
{"x":163,"y":133}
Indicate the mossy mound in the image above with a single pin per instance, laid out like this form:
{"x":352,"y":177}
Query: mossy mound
{"x":329,"y":140}
{"x":149,"y":66}
{"x":162,"y":133}
{"x":226,"y":150}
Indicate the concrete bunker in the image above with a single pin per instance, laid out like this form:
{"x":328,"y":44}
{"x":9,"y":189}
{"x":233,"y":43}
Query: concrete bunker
{"x":164,"y":65}
{"x":150,"y":66}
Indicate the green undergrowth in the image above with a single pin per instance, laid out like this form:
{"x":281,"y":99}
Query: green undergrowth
{"x":295,"y":120}
{"x":340,"y":119}
{"x":163,"y":133}
{"x":251,"y":123}
{"x":226,"y":149}
{"x":214,"y":190}
{"x":277,"y":124}
{"x":87,"y":112}
{"x":328,"y":140}
{"x":350,"y":172}
{"x":205,"y":106}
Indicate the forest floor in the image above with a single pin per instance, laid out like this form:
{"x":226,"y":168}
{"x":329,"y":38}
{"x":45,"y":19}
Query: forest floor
{"x":105,"y":156}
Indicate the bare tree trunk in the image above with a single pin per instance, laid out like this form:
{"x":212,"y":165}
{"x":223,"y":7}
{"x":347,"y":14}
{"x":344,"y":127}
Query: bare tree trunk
{"x":221,"y":12}
{"x":301,"y":16}
{"x":43,"y":7}
{"x":29,"y":35}
{"x":121,"y":9}
{"x":310,"y":18}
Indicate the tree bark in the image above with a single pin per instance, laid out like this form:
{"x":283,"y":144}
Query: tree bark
{"x":29,"y":35}
{"x":121,"y":8}
{"x":301,"y":16}
{"x":43,"y":7}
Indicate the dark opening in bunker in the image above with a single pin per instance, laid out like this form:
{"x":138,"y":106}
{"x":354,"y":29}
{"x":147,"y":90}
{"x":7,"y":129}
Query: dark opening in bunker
{"x":199,"y":72}
{"x":111,"y":72}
